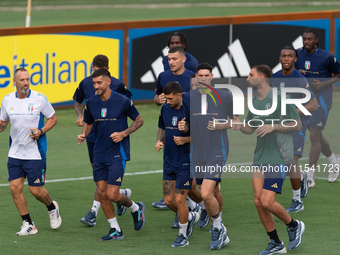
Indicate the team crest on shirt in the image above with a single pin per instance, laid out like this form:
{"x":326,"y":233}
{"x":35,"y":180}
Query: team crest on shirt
{"x":267,"y":106}
{"x":174,"y":120}
{"x":307,"y":65}
{"x":282,"y":85}
{"x":104,"y":112}
{"x":30,"y":107}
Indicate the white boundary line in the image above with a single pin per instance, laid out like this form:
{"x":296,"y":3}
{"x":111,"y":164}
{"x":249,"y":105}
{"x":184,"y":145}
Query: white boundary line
{"x":172,"y":5}
{"x":151,"y":172}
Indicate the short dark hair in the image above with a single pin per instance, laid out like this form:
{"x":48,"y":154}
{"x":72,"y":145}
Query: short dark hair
{"x":290,"y":47}
{"x":101,"y":72}
{"x":100,"y":61}
{"x":204,"y":65}
{"x":20,"y":69}
{"x":177,"y":49}
{"x":172,"y":87}
{"x":182,"y":37}
{"x":314,"y":32}
{"x":265,"y":70}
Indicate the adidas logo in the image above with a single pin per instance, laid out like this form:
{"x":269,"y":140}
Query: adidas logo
{"x":307,"y":86}
{"x":274,"y":185}
{"x":225,"y":66}
{"x":319,"y":125}
{"x":299,"y":149}
{"x":216,"y":176}
{"x":11,"y":109}
{"x":37,"y":181}
{"x":187,"y":183}
{"x":119,"y":180}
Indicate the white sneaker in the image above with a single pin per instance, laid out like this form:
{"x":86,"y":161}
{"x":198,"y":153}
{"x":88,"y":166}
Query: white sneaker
{"x":27,"y":229}
{"x":311,"y":183}
{"x":55,"y":219}
{"x":334,"y":173}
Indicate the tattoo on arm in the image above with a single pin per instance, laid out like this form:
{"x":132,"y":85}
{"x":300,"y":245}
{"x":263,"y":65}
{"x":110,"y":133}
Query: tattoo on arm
{"x":168,"y":187}
{"x":160,"y":135}
{"x":289,"y":127}
{"x":124,"y":200}
{"x":78,"y":107}
{"x":134,"y":126}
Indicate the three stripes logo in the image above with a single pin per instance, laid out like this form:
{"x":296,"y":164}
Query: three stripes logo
{"x":225,"y":67}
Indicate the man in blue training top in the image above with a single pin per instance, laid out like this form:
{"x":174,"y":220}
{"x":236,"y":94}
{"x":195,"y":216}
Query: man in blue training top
{"x":86,"y":90}
{"x":319,"y":66}
{"x":176,"y":171}
{"x":179,"y":39}
{"x":109,"y":110}
{"x":289,"y":77}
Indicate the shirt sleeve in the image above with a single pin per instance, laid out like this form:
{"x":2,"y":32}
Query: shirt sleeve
{"x":46,"y":107}
{"x":3,"y":112}
{"x":130,"y":110}
{"x":160,"y":119}
{"x":333,"y":65}
{"x":159,"y":86}
{"x":88,"y":118}
{"x":79,"y":95}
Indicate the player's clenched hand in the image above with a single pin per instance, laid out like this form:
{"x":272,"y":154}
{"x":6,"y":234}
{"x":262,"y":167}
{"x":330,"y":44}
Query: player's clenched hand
{"x":265,"y":129}
{"x":316,"y":84}
{"x":117,"y":136}
{"x":181,"y":125}
{"x":80,"y":138}
{"x":237,"y":124}
{"x":79,"y":121}
{"x":159,"y":145}
{"x":180,"y":140}
{"x":161,"y":98}
{"x":35,"y":133}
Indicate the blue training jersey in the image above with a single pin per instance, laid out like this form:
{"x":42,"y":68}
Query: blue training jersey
{"x":174,"y":155}
{"x":190,"y":63}
{"x":293,"y":80}
{"x":184,"y":80}
{"x":86,"y":90}
{"x":207,"y":145}
{"x":320,"y":66}
{"x":110,"y":116}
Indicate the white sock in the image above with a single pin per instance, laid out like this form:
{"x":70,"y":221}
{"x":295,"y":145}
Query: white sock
{"x":190,"y":216}
{"x":191,"y":204}
{"x":201,"y":204}
{"x":333,"y":159}
{"x":114,"y":223}
{"x":95,"y":206}
{"x":296,"y":194}
{"x":134,"y":207}
{"x":217,"y":222}
{"x":183,"y":229}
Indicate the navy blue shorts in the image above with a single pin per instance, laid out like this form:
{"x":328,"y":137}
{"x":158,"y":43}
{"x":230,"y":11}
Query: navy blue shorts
{"x":207,"y":170}
{"x":318,"y":119}
{"x":34,"y":170}
{"x":274,"y":176}
{"x":179,"y":174}
{"x":299,"y":142}
{"x":112,"y":172}
{"x":90,"y":148}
